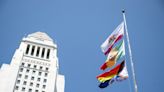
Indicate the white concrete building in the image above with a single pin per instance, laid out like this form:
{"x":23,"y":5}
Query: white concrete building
{"x":34,"y":67}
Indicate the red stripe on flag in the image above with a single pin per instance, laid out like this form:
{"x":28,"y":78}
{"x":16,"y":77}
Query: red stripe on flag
{"x":110,"y":48}
{"x":104,"y":66}
{"x":114,"y":71}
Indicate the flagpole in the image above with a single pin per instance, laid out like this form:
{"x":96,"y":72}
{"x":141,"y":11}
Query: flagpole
{"x":130,"y":53}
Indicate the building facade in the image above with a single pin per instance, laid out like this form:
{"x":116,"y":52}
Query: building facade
{"x":34,"y":67}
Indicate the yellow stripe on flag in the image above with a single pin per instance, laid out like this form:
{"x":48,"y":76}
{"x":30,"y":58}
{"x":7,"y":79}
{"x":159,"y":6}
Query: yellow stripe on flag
{"x":103,"y":79}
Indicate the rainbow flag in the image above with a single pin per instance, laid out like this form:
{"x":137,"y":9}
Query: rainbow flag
{"x":120,"y":73}
{"x":110,"y":74}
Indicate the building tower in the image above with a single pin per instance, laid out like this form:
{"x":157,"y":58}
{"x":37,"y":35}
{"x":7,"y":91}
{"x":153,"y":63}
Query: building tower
{"x":34,"y":67}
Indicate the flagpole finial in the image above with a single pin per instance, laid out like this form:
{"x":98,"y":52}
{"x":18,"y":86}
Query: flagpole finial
{"x":123,"y":10}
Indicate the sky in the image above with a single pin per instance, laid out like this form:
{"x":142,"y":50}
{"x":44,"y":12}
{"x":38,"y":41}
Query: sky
{"x":79,"y":27}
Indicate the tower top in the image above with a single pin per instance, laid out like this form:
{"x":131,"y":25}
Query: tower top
{"x":40,"y":38}
{"x":40,"y":35}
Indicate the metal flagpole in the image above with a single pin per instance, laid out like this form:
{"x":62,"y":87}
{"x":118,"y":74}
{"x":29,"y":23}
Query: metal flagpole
{"x":130,"y":53}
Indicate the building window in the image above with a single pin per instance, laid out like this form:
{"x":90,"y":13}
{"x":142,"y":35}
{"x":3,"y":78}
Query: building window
{"x":21,"y":69}
{"x":37,"y":85}
{"x":29,"y":65}
{"x":24,"y":83}
{"x":41,"y":67}
{"x":22,"y":64}
{"x":44,"y":86}
{"x":43,"y":53}
{"x":23,"y":89}
{"x":18,"y":81}
{"x":37,"y":52}
{"x":27,"y":49}
{"x":43,"y":91}
{"x":26,"y":77}
{"x":40,"y":73}
{"x":48,"y":53}
{"x":27,"y":70}
{"x":32,"y":51}
{"x":20,"y":75}
{"x":35,"y":66}
{"x":45,"y":80}
{"x":46,"y":68}
{"x":16,"y":87}
{"x":33,"y":71}
{"x":31,"y":84}
{"x":36,"y":91}
{"x":30,"y":90}
{"x":32,"y":78}
{"x":45,"y":74}
{"x":38,"y":79}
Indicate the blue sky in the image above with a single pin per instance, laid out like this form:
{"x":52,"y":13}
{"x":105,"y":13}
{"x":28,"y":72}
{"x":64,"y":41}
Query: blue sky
{"x":79,"y":27}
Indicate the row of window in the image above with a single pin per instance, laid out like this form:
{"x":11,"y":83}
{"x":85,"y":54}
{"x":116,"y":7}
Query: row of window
{"x":31,"y":84}
{"x":32,"y":78}
{"x":35,"y":66}
{"x":38,"y":51}
{"x":29,"y":90}
{"x":34,"y":72}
